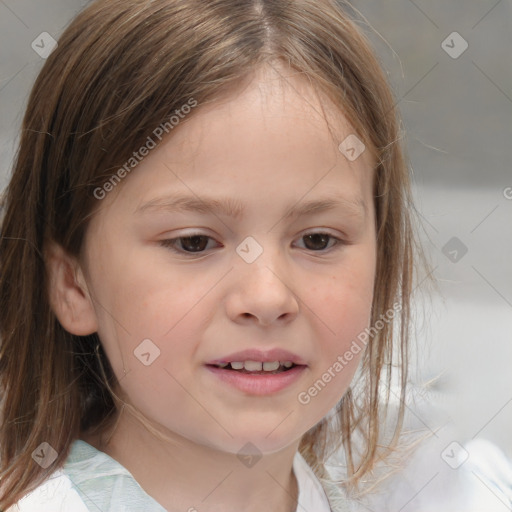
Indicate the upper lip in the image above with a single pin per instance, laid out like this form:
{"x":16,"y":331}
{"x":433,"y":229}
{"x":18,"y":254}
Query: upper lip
{"x":263,"y":356}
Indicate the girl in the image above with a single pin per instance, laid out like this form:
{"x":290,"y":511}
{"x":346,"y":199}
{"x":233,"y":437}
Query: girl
{"x":207,"y":262}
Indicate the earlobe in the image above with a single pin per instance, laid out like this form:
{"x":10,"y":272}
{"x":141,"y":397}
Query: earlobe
{"x":68,"y":293}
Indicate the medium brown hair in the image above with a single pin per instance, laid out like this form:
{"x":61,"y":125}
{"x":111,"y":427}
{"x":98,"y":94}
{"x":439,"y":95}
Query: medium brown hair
{"x":121,"y":68}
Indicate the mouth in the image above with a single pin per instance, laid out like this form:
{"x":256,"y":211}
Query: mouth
{"x":258,"y":372}
{"x":250,"y":378}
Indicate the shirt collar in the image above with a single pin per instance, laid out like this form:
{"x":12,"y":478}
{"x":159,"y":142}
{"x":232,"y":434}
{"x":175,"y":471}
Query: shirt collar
{"x":312,"y":497}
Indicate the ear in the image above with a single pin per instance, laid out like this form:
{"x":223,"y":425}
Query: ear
{"x":68,"y":293}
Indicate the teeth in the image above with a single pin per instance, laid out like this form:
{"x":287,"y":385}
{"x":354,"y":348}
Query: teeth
{"x":257,"y":366}
{"x":271,"y":366}
{"x":253,"y":366}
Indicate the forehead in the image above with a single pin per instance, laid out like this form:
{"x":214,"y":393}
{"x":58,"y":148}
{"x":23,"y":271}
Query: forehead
{"x":282,"y":103}
{"x":276,"y":135}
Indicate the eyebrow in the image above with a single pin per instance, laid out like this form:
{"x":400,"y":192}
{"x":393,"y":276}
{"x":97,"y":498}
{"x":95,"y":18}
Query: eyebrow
{"x":231,"y":207}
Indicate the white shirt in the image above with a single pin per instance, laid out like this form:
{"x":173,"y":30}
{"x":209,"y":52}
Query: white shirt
{"x":480,"y":482}
{"x":91,"y":481}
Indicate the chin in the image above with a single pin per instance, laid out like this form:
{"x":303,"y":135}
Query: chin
{"x":256,"y":442}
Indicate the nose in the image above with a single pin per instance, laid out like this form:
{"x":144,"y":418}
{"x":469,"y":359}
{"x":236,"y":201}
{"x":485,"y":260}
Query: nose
{"x":262,"y":292}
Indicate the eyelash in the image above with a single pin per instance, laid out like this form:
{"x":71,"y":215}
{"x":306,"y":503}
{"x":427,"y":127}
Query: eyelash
{"x":170,"y":243}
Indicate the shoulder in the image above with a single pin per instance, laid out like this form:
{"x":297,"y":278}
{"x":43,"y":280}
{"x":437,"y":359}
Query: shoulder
{"x":54,"y":495}
{"x":489,"y":475}
{"x":103,"y":483}
{"x":443,"y":476}
{"x":456,"y":477}
{"x":89,"y":480}
{"x":315,"y":494}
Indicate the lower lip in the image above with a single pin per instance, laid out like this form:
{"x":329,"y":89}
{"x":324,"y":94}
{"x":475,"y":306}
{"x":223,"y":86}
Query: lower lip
{"x":258,"y":384}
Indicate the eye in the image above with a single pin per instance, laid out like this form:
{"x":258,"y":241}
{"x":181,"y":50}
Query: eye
{"x":318,"y":242}
{"x":192,"y":244}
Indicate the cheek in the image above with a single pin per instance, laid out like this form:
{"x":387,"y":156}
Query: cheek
{"x":343,"y":301}
{"x":169,"y":309}
{"x":154,"y":333}
{"x":342,"y":304}
{"x":347,"y":314}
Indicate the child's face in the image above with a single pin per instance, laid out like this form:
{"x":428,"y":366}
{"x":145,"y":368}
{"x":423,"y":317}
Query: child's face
{"x":269,"y":150}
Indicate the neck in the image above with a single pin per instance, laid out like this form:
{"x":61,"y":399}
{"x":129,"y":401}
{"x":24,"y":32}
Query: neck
{"x":184,"y":476}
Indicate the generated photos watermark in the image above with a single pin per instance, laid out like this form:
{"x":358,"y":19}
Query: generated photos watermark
{"x":304,"y":397}
{"x":151,"y":143}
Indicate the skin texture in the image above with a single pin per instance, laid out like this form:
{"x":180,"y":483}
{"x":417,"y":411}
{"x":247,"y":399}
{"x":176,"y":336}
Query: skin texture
{"x":267,"y":146}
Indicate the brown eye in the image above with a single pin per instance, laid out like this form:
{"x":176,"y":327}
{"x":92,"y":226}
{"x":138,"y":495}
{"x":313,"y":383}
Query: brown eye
{"x":187,"y":244}
{"x":195,"y":243}
{"x":319,"y":241}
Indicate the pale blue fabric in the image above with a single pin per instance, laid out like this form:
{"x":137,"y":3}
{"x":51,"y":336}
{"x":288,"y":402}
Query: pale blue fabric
{"x":103,"y":484}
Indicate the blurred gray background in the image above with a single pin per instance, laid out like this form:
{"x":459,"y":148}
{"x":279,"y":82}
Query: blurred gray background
{"x":456,"y":104}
